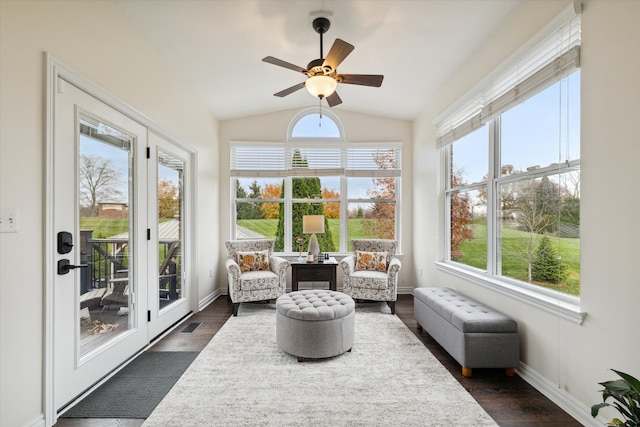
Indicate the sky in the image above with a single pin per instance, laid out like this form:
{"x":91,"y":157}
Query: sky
{"x":525,"y":142}
{"x":120,"y":162}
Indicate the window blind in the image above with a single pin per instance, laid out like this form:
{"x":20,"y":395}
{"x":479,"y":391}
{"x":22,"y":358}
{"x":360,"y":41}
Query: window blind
{"x":373,"y":161}
{"x":257,"y":160}
{"x":551,"y":59}
{"x":253,"y":159}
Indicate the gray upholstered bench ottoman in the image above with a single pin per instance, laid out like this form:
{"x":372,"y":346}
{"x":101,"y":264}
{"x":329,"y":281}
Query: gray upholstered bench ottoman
{"x":314,"y":324}
{"x":473,"y":334}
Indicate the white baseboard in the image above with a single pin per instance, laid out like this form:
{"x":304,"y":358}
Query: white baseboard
{"x":38,"y":422}
{"x":560,"y":397}
{"x":405,"y":291}
{"x":208,"y":299}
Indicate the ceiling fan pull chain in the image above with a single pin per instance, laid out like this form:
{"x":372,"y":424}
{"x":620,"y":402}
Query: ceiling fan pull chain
{"x":320,"y":119}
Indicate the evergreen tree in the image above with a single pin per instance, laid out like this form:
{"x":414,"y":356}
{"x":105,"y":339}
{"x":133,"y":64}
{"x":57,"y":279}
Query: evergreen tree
{"x":546,"y":266}
{"x":249,"y":210}
{"x":548,"y":199}
{"x":303,"y":188}
{"x":570,"y":211}
{"x":242,"y":207}
{"x":254,"y":210}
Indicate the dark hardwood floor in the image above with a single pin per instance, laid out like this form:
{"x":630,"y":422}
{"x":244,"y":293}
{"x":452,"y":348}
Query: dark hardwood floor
{"x":510,"y":401}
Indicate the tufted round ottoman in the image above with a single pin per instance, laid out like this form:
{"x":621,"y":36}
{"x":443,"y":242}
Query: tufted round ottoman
{"x":315,"y":323}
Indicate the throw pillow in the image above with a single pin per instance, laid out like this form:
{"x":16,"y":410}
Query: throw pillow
{"x":253,"y":261}
{"x":373,"y":261}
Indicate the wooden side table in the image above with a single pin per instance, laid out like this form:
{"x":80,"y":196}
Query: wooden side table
{"x":314,"y":272}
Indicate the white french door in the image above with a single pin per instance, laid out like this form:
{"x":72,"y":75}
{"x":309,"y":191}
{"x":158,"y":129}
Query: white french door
{"x":100,"y":289}
{"x":168,"y":209}
{"x":120,"y":203}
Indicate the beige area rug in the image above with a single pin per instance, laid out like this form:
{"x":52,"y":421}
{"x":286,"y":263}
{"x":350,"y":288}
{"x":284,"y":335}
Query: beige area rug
{"x":389,"y":379}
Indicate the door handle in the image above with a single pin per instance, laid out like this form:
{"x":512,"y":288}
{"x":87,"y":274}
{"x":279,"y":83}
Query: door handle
{"x":64,"y":265}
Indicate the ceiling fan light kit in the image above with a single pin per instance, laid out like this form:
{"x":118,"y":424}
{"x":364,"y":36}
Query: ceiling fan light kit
{"x":321,"y":86}
{"x":322,"y":76}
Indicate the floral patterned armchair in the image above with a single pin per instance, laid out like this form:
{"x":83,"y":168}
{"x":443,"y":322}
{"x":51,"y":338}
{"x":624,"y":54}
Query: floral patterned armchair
{"x":371,"y":271}
{"x":254,"y":273}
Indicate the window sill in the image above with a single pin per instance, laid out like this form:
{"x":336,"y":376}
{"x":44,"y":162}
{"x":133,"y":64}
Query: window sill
{"x":565,"y":306}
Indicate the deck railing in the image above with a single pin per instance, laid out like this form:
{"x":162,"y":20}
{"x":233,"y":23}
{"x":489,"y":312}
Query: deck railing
{"x":108,"y":259}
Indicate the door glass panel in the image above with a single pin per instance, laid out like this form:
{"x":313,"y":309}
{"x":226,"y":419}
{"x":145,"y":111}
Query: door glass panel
{"x":105,"y":174}
{"x":170,"y":228}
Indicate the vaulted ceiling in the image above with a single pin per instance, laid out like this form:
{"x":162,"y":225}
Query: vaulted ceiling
{"x":217,"y":47}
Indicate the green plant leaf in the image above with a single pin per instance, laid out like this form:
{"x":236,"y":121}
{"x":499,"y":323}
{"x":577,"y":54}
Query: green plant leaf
{"x":633,"y":382}
{"x":625,"y":393}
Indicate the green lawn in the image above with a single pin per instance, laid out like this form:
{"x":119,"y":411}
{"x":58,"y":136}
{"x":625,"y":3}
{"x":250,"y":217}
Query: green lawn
{"x":104,"y":227}
{"x":267,"y":227}
{"x":514,"y":264}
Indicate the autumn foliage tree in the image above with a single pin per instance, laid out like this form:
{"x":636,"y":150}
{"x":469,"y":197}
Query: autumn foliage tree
{"x":168,"y":201}
{"x":460,"y":217}
{"x":271,"y":191}
{"x":331,"y":210}
{"x":381,"y":221}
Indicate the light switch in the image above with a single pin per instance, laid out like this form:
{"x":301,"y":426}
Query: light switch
{"x":8,"y":220}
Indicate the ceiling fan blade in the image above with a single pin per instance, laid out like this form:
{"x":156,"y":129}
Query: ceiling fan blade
{"x":337,"y":53}
{"x":290,"y":90}
{"x":361,"y":79}
{"x":285,"y":64}
{"x":334,"y":99}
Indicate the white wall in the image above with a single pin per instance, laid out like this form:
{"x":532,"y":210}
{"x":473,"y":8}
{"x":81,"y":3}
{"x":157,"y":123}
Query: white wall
{"x":573,"y":357}
{"x":357,"y":128}
{"x":93,"y":38}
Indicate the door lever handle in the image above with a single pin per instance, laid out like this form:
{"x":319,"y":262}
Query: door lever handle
{"x":64,"y":265}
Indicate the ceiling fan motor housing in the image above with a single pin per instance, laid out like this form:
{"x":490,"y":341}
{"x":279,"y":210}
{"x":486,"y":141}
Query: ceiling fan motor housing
{"x":321,"y":25}
{"x":315,"y":68}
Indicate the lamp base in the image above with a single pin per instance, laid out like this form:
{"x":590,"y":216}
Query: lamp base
{"x":314,"y":248}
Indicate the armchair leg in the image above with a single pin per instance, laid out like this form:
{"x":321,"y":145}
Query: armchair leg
{"x":235,"y":308}
{"x":392,"y":306}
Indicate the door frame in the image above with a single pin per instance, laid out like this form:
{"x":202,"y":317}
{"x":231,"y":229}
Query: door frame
{"x":55,"y":69}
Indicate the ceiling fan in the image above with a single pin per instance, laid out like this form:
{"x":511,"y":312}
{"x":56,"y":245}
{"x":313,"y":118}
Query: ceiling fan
{"x":322,"y":74}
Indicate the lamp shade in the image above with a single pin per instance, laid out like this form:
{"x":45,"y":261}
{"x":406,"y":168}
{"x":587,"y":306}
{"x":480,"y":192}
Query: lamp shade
{"x":313,"y":224}
{"x":321,"y":86}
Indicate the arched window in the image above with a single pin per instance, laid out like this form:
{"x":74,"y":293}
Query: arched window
{"x":315,"y":172}
{"x":313,"y":124}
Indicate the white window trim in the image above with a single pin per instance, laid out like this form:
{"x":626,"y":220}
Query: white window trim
{"x":466,"y":115}
{"x":563,"y":305}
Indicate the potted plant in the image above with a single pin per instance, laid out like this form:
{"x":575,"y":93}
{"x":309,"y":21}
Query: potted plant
{"x":626,"y":395}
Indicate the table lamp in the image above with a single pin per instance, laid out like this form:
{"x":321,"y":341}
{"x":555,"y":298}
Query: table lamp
{"x":312,"y":224}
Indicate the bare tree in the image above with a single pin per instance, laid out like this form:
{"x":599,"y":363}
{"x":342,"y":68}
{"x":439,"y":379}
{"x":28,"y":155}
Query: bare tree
{"x":99,"y":181}
{"x":533,"y":219}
